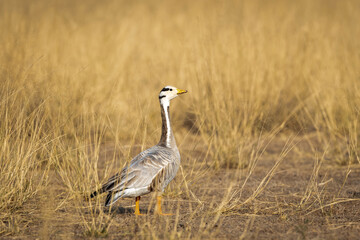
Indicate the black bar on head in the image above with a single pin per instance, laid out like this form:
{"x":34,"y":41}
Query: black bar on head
{"x":165,"y":89}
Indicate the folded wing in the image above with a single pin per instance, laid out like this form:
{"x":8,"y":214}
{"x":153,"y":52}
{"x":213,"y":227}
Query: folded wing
{"x":152,"y":170}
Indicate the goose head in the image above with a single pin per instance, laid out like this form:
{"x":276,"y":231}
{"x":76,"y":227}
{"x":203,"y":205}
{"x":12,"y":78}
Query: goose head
{"x":168,"y":93}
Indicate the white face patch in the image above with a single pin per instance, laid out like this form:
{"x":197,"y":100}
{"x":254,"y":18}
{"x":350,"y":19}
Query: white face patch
{"x":168,"y":93}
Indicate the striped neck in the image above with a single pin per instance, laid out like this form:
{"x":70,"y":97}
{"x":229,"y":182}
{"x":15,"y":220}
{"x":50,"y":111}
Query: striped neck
{"x":167,"y":137}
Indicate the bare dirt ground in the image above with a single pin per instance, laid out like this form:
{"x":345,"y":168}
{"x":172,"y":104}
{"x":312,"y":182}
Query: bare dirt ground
{"x":332,"y":210}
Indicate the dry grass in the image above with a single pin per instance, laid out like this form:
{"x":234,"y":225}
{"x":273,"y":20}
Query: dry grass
{"x":79,"y":84}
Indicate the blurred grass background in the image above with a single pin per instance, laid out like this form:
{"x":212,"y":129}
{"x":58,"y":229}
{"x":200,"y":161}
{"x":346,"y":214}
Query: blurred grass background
{"x":73,"y":71}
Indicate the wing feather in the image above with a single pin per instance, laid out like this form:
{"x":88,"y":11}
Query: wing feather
{"x":152,"y":169}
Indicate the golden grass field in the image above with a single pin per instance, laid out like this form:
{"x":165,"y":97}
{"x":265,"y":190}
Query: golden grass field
{"x":268,"y":133}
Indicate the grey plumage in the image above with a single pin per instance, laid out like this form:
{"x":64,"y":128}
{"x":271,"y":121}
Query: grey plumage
{"x":151,"y":170}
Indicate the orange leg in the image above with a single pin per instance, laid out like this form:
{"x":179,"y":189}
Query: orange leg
{"x":137,"y":207}
{"x":159,"y":211}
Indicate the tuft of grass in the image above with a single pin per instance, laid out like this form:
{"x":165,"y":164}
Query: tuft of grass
{"x":25,"y":157}
{"x":234,"y":200}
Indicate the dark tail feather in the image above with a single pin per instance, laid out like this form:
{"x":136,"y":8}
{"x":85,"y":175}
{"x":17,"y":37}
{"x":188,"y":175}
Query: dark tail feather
{"x":104,"y":188}
{"x":97,"y":192}
{"x":109,"y":199}
{"x":94,"y":194}
{"x":112,"y":197}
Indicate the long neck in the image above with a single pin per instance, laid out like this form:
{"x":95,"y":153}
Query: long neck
{"x":167,"y":137}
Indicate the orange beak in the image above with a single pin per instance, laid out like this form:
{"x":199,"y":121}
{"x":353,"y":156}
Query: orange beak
{"x":180,"y":91}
